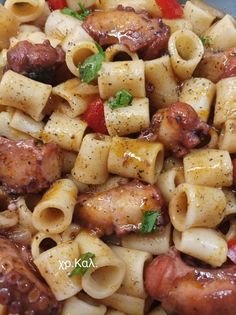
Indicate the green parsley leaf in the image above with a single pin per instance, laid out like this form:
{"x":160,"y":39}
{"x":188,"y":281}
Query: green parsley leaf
{"x":122,"y":99}
{"x":90,"y":67}
{"x":84,"y":263}
{"x":80,"y":16}
{"x":206,"y":40}
{"x":149,"y":221}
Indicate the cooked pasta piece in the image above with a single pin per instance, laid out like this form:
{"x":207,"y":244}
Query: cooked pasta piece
{"x":196,"y":206}
{"x":230,"y":202}
{"x":199,"y":93}
{"x":25,"y":215}
{"x":115,"y":76}
{"x":127,"y":120}
{"x":199,"y":18}
{"x":65,"y":131}
{"x":157,"y":311}
{"x":186,"y":51}
{"x":178,"y":24}
{"x":77,"y":35}
{"x":209,"y":167}
{"x":155,"y":243}
{"x":24,"y":94}
{"x":225,"y":101}
{"x":7,"y":131}
{"x":25,"y":10}
{"x":114,"y":312}
{"x":106,"y":275}
{"x":24,"y":123}
{"x":204,"y":244}
{"x":69,"y":158}
{"x":55,"y":265}
{"x":136,"y":159}
{"x":77,"y":95}
{"x":114,"y":51}
{"x":139,"y":5}
{"x":169,"y":180}
{"x":59,"y":25}
{"x":77,"y":306}
{"x":162,"y":88}
{"x":135,"y":261}
{"x":130,"y":305}
{"x":222,"y":34}
{"x":8,"y":219}
{"x":3,"y":63}
{"x":78,"y":54}
{"x":91,"y":163}
{"x":73,"y":4}
{"x":39,"y":239}
{"x":9,"y":26}
{"x":41,"y":20}
{"x":53,"y":214}
{"x":70,"y":233}
{"x":228,"y":136}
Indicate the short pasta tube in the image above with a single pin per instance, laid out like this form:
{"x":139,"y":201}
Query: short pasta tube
{"x":59,"y":25}
{"x":115,"y":76}
{"x":55,"y":265}
{"x":9,"y":26}
{"x":209,"y":167}
{"x":133,"y":283}
{"x":91,"y":163}
{"x":155,"y":243}
{"x":205,"y":244}
{"x":130,"y":305}
{"x":199,"y":93}
{"x":73,"y":4}
{"x":39,"y":238}
{"x":165,"y":85}
{"x":25,"y":10}
{"x":65,"y":131}
{"x":157,"y":311}
{"x":70,"y":233}
{"x":169,"y":180}
{"x":107,"y":274}
{"x":178,"y":24}
{"x":77,"y":35}
{"x":78,"y":54}
{"x":136,"y":159}
{"x":230,"y":202}
{"x":186,"y":51}
{"x":196,"y":206}
{"x":225,"y":107}
{"x":25,"y":215}
{"x":24,"y":94}
{"x":228,"y":136}
{"x":126,"y":120}
{"x":24,"y":123}
{"x":113,"y":53}
{"x":53,"y":214}
{"x":139,"y":5}
{"x":200,"y":19}
{"x":78,"y":306}
{"x":77,"y":95}
{"x":222,"y":34}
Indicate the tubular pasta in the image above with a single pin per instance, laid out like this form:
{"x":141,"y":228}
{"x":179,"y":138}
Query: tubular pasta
{"x":9,"y":26}
{"x":228,"y":136}
{"x":39,"y":238}
{"x":119,"y":49}
{"x":77,"y":306}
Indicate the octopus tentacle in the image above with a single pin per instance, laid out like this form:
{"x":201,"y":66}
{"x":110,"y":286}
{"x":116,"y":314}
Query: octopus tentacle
{"x":20,"y":289}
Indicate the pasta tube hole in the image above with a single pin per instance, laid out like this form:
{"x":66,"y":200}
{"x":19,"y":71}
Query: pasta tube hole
{"x":23,"y":9}
{"x":121,"y":56}
{"x":159,"y":162}
{"x":187,"y":47}
{"x":80,"y":55}
{"x":105,"y":276}
{"x":46,"y":244}
{"x":51,"y":216}
{"x":181,"y":206}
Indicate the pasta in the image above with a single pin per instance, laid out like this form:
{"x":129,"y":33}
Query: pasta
{"x":117,"y":158}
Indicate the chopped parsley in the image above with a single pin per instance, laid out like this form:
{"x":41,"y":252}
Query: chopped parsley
{"x":78,"y":15}
{"x":149,"y":221}
{"x":122,"y":99}
{"x":206,"y":40}
{"x":83,"y":264}
{"x":90,"y":67}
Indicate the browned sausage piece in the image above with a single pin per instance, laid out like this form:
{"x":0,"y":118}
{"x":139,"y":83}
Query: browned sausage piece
{"x":36,"y":61}
{"x":178,"y":128}
{"x":216,"y":65}
{"x":124,"y":26}
{"x":119,"y":209}
{"x":188,"y":290}
{"x":28,"y":168}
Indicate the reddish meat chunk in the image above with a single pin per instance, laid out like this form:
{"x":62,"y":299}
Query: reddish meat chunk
{"x":28,"y":168}
{"x":178,"y":128}
{"x":136,"y":30}
{"x":36,"y":61}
